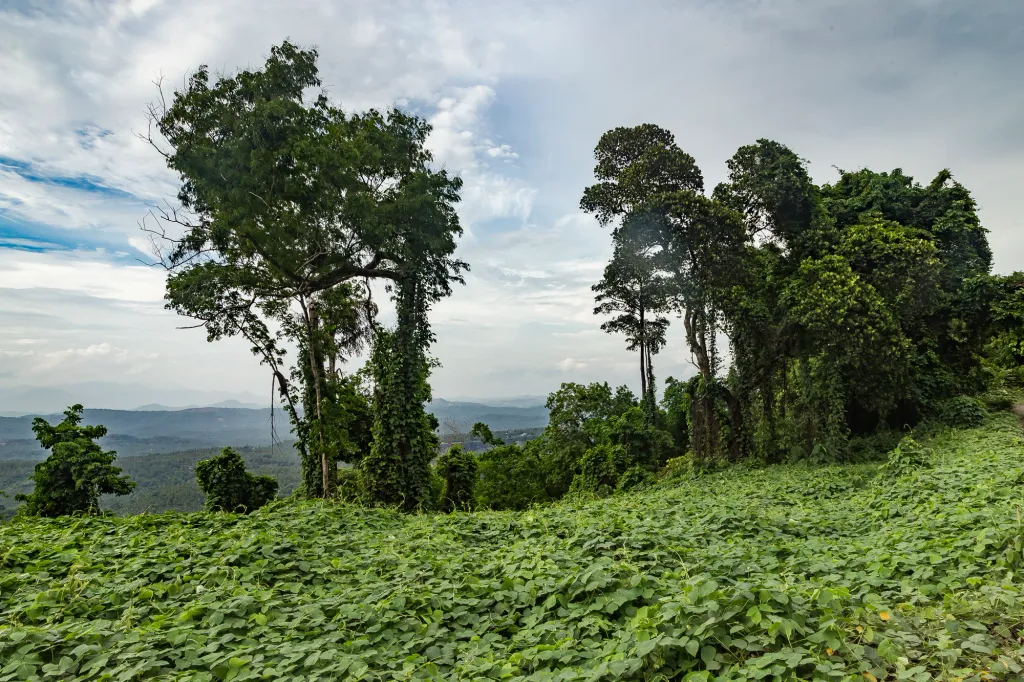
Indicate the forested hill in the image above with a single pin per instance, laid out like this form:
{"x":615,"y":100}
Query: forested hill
{"x":142,"y":432}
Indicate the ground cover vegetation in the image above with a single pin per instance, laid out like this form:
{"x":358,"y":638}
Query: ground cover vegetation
{"x":901,"y":570}
{"x":834,"y":494}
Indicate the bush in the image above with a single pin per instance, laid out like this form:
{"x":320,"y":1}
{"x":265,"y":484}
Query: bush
{"x":457,"y":468}
{"x":634,"y":477}
{"x":229,"y":487}
{"x":963,"y":412}
{"x":677,"y":467}
{"x":905,"y":458}
{"x":873,"y":447}
{"x":643,"y":444}
{"x":350,"y":484}
{"x":998,"y":400}
{"x":510,"y":477}
{"x":597,"y":470}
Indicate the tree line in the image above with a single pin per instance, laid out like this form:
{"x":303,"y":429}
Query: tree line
{"x":814,"y":315}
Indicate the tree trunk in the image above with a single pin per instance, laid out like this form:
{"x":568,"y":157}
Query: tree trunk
{"x":312,"y":322}
{"x":643,"y":352}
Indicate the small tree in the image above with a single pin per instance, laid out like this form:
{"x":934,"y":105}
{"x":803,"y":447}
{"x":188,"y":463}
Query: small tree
{"x":229,"y":487}
{"x":486,"y":436}
{"x":457,"y":468}
{"x":77,"y":472}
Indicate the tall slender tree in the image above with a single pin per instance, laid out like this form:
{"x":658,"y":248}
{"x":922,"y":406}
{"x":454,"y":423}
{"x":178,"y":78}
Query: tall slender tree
{"x":634,"y":288}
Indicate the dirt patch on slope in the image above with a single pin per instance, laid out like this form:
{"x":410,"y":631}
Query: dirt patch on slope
{"x":1018,"y":410}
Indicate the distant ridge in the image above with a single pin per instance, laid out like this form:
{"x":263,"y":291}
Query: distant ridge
{"x":227,"y":404}
{"x":155,"y":428}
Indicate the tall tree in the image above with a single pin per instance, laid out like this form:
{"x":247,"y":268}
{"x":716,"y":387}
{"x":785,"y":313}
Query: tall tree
{"x":633,"y":288}
{"x":644,"y":175}
{"x":284,"y":199}
{"x":71,"y":480}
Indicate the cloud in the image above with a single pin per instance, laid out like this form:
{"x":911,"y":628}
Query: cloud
{"x":517,"y":96}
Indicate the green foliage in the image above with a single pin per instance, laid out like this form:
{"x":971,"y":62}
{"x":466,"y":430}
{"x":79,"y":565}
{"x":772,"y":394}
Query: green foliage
{"x":458,"y":469}
{"x":579,"y":419}
{"x":1006,"y":347}
{"x":998,"y":399}
{"x":397,"y":471}
{"x":787,"y":573}
{"x":635,"y":477}
{"x":675,"y":403}
{"x":598,"y":470}
{"x":906,"y":458}
{"x":71,"y":480}
{"x":643,"y":444}
{"x":229,"y":487}
{"x":290,"y":206}
{"x":962,"y":412}
{"x":350,"y":485}
{"x":510,"y":477}
{"x":483,"y":432}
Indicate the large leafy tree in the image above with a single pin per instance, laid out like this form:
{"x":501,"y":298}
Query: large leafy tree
{"x":288,"y":207}
{"x":71,"y":480}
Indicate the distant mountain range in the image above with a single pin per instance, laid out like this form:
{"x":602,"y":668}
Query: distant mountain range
{"x":19,"y":400}
{"x":232,"y":404}
{"x":148,"y":429}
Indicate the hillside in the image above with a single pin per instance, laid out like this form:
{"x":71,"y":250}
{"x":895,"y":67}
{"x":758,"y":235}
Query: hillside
{"x":144,"y":432}
{"x":841,"y":573}
{"x":166,"y":481}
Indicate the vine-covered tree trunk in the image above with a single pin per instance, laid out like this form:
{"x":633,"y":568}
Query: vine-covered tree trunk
{"x":397,"y":470}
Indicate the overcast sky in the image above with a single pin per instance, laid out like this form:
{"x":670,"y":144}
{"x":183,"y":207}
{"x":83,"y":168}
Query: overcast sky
{"x":519,"y":93}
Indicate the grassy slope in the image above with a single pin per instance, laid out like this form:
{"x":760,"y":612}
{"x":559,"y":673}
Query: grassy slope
{"x":751,"y":574}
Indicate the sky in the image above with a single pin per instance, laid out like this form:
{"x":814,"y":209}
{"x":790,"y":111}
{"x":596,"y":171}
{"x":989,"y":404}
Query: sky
{"x":518,"y":93}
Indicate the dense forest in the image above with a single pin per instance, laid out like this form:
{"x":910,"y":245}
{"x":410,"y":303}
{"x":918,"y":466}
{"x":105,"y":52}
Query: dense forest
{"x":833,"y":494}
{"x":816,"y":316}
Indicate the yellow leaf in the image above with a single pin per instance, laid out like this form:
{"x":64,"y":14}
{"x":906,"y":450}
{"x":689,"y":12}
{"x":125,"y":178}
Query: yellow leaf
{"x":828,"y":651}
{"x":869,"y":676}
{"x":884,"y":615}
{"x":860,"y":629}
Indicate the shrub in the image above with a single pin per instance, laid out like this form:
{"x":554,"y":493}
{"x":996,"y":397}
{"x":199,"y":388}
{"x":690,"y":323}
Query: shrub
{"x":964,"y":412}
{"x":677,"y":467}
{"x":457,"y":468}
{"x":350,"y":484}
{"x":874,"y":446}
{"x":905,"y":458}
{"x":643,"y":444}
{"x":510,"y":477}
{"x":77,"y":472}
{"x":229,"y":487}
{"x":998,"y":400}
{"x":635,"y":477}
{"x":597,"y":470}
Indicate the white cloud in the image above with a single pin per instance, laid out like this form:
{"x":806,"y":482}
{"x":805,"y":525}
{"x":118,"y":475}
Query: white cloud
{"x":518,"y":96}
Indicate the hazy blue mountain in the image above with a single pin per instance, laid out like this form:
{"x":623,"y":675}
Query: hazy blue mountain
{"x":516,"y":401}
{"x":465,"y":414}
{"x":114,"y":396}
{"x":149,"y":431}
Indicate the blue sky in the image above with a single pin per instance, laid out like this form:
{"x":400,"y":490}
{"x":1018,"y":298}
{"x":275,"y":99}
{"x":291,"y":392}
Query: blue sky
{"x":518,"y":93}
